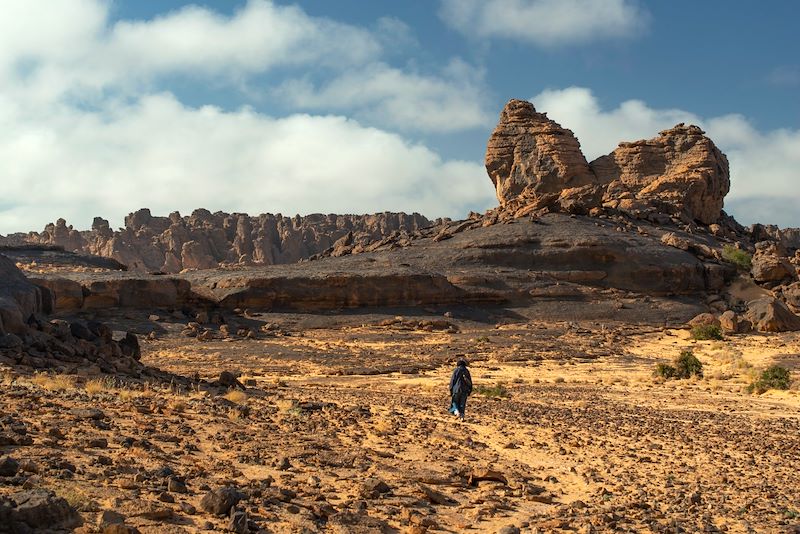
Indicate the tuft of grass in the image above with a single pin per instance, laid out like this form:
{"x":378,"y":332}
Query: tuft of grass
{"x":774,"y":377}
{"x":685,"y":366}
{"x":236,"y":396}
{"x":99,"y":385}
{"x":498,"y":391}
{"x":53,"y":382}
{"x":703,"y":332}
{"x":740,"y":258}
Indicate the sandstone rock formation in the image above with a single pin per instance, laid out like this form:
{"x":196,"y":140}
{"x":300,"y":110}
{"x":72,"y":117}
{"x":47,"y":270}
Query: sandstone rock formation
{"x":206,"y":240}
{"x":680,"y":172}
{"x":529,"y":152}
{"x":770,"y":265}
{"x":771,"y":315}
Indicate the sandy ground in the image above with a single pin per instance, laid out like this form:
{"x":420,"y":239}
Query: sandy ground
{"x":343,"y":428}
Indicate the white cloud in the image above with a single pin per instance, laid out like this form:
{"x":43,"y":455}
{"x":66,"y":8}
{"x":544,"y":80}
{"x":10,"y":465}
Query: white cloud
{"x":763,"y":164}
{"x":87,"y":127}
{"x":75,"y":48}
{"x":451,"y":101}
{"x":85,"y":57}
{"x":545,"y":22}
{"x":161,"y":154}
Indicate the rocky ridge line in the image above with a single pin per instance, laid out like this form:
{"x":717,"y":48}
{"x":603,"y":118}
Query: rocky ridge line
{"x":205,"y":240}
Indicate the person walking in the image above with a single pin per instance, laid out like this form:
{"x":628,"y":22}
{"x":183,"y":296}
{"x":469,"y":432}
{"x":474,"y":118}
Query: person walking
{"x":460,"y":388}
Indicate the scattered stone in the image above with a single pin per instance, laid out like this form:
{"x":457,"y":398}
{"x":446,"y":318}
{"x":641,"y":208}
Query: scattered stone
{"x":8,"y":466}
{"x":373,"y":488}
{"x":220,"y":501}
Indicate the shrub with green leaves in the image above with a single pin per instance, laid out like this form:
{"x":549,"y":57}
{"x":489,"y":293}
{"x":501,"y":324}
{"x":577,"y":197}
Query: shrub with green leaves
{"x":740,"y":258}
{"x":774,"y":377}
{"x":706,"y":331}
{"x":685,"y":366}
{"x":664,"y":370}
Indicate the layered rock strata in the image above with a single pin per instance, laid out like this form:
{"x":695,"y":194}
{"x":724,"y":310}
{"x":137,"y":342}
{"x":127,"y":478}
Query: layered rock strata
{"x":28,"y":338}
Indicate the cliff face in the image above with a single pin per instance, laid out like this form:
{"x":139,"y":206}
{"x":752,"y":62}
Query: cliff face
{"x":535,"y":163}
{"x":207,"y":240}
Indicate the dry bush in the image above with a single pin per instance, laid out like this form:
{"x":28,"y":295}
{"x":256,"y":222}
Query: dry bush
{"x":53,"y":382}
{"x":99,"y":385}
{"x":382,"y":426}
{"x":236,"y":396}
{"x":177,"y":405}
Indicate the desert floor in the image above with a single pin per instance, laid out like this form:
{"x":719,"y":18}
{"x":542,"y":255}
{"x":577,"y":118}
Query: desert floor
{"x":343,"y":428}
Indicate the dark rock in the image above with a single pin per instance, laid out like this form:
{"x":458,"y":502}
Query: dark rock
{"x":374,"y":488}
{"x":8,"y":466}
{"x":220,"y":501}
{"x":37,"y":510}
{"x":771,"y":315}
{"x":238,"y":522}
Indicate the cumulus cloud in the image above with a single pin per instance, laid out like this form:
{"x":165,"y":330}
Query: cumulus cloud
{"x":545,"y":22}
{"x":763,"y":163}
{"x":87,"y":127}
{"x":452,"y":101}
{"x":164,"y":155}
{"x":80,"y":54}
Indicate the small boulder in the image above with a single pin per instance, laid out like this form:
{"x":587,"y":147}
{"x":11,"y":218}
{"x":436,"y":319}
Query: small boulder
{"x":374,"y":488}
{"x":704,"y":319}
{"x":771,"y":315}
{"x":220,"y":501}
{"x":8,"y":466}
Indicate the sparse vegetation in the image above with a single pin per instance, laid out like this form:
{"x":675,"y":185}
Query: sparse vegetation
{"x":685,"y":366}
{"x":703,"y":332}
{"x":741,"y":258}
{"x":498,"y":391}
{"x":774,"y":377}
{"x":664,"y":370}
{"x":99,"y":385}
{"x":53,"y":382}
{"x":236,"y":396}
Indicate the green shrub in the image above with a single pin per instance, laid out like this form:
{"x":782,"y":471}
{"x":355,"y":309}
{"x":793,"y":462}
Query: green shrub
{"x":740,"y":258}
{"x":775,"y":377}
{"x":664,"y":370}
{"x":496,"y":391}
{"x":687,"y":365}
{"x":706,"y":331}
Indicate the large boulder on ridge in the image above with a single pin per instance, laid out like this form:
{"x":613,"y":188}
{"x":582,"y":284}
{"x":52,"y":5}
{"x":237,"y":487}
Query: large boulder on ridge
{"x":680,"y":171}
{"x":533,"y":160}
{"x":528,"y":152}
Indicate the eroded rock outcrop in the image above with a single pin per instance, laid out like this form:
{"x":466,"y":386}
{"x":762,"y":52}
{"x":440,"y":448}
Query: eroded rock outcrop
{"x":206,"y":240}
{"x":29,"y":339}
{"x":681,"y":172}
{"x":530,"y":153}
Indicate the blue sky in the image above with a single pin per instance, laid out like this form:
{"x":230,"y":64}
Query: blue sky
{"x":355,"y":106}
